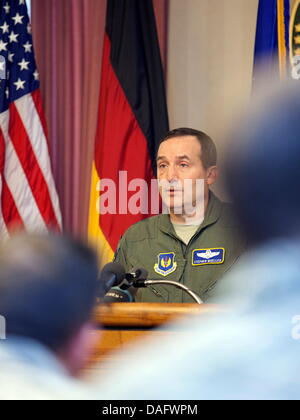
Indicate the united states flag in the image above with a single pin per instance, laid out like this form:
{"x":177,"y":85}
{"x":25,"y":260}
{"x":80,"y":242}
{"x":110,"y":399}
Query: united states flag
{"x":28,"y":195}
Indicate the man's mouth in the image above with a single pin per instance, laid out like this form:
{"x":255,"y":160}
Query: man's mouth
{"x":172,"y":190}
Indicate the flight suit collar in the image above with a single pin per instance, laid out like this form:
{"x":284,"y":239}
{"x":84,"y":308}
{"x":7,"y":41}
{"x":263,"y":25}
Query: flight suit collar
{"x":212,"y":214}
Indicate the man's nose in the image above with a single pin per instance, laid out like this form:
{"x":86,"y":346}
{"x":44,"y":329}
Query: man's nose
{"x":172,"y":174}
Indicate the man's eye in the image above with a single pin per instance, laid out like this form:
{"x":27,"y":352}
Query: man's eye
{"x":183,"y":165}
{"x":162,"y":166}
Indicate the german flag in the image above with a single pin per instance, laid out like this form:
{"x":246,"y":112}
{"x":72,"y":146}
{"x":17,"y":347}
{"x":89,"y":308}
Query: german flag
{"x":132,"y":115}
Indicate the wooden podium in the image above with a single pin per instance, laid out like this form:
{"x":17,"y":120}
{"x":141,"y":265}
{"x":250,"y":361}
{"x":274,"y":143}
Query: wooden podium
{"x":120,"y":324}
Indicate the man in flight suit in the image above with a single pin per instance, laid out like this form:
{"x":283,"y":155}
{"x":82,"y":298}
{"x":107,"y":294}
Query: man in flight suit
{"x":181,"y":246}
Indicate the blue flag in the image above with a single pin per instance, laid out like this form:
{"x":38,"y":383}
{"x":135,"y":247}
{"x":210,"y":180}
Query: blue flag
{"x":272,"y":37}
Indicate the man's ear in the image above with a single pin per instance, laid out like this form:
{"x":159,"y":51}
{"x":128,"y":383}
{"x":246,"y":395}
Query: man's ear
{"x":212,"y":175}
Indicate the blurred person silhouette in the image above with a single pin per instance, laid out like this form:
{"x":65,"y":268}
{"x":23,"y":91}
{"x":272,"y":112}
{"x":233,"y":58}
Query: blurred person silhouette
{"x":251,"y":351}
{"x":47,"y":293}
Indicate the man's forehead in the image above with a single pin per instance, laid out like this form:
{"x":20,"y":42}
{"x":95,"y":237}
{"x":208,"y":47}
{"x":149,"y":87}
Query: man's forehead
{"x":179,"y":146}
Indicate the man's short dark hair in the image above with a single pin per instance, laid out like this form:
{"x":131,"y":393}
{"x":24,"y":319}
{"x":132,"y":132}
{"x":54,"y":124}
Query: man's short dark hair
{"x":47,"y":287}
{"x":208,"y":148}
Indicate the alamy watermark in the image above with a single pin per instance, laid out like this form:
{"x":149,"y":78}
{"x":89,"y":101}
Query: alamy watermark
{"x":2,"y":67}
{"x":296,"y":67}
{"x":136,"y":196}
{"x":296,"y":327}
{"x":2,"y":328}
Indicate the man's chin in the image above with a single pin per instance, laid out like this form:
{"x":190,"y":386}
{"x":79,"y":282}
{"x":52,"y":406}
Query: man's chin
{"x":183,"y":209}
{"x":173,"y":207}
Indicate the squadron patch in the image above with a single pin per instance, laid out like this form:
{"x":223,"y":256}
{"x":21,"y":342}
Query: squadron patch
{"x":166,"y":264}
{"x":208,"y":256}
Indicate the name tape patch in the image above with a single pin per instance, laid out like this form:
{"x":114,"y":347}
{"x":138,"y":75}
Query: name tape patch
{"x":208,"y":256}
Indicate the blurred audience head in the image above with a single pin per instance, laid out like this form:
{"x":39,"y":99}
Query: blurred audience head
{"x":263,"y":165}
{"x":47,"y":293}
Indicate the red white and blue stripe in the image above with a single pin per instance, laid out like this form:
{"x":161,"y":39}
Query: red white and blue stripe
{"x":28,"y":195}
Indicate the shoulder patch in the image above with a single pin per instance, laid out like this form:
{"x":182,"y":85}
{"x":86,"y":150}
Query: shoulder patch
{"x":166,"y":264}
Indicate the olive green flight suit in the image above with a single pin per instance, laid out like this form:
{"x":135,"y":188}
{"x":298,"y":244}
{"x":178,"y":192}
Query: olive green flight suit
{"x":153,"y":244}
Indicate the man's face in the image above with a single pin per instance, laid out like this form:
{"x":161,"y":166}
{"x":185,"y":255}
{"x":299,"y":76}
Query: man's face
{"x":178,"y":160}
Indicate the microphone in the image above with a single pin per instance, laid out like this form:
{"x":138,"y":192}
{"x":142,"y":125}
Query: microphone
{"x":121,"y":292}
{"x":118,"y":291}
{"x":116,"y":294}
{"x":136,"y":274}
{"x":111,"y":275}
